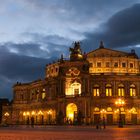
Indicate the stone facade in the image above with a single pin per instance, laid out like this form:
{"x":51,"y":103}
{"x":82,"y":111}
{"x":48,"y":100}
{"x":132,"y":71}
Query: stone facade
{"x":82,"y":89}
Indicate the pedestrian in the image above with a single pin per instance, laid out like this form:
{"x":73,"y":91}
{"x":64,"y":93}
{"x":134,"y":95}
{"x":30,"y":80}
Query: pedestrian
{"x":104,"y":124}
{"x":28,"y":121}
{"x":32,"y":122}
{"x":97,"y":126}
{"x":100,"y":123}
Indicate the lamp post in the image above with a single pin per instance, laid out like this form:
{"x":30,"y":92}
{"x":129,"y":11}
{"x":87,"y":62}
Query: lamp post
{"x":6,"y":117}
{"x":120,"y":103}
{"x":103,"y":111}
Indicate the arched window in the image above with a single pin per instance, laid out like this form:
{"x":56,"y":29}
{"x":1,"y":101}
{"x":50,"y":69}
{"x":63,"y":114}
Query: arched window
{"x":132,"y":90}
{"x":121,"y":91}
{"x":76,"y":88}
{"x":133,"y":110}
{"x":109,"y":109}
{"x":73,"y":89}
{"x":108,"y":90}
{"x":96,"y":90}
{"x":96,"y":109}
{"x":43,"y":93}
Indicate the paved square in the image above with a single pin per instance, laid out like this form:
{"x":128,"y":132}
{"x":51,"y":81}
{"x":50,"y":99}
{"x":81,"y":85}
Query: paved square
{"x":69,"y":133}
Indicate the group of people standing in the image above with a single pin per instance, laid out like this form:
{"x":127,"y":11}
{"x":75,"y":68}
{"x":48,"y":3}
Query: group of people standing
{"x":101,"y":123}
{"x":32,"y":121}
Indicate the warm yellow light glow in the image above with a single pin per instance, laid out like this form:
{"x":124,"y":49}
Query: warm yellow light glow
{"x":116,"y":111}
{"x":103,"y":111}
{"x":121,"y":90}
{"x":108,"y":90}
{"x":33,"y":113}
{"x":28,"y":113}
{"x":70,"y":111}
{"x":96,"y":90}
{"x":40,"y":113}
{"x":24,"y":113}
{"x":133,"y":111}
{"x":73,"y":89}
{"x":6,"y":114}
{"x":96,"y":109}
{"x":49,"y":112}
{"x":71,"y":115}
{"x":43,"y":95}
{"x":132,"y":90}
{"x":120,"y":102}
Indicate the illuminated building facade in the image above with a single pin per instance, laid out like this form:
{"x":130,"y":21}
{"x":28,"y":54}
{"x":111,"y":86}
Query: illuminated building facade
{"x":81,"y":89}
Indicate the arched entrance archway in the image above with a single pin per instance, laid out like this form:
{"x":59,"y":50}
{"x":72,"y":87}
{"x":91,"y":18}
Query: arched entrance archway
{"x":71,"y":112}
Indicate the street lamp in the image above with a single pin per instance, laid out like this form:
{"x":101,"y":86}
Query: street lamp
{"x":120,"y":103}
{"x":6,"y":117}
{"x":103,"y":111}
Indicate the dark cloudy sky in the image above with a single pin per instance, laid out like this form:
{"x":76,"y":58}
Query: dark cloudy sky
{"x":35,"y":32}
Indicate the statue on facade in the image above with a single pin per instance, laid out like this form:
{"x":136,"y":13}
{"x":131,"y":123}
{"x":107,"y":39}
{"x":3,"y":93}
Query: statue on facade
{"x":76,"y":52}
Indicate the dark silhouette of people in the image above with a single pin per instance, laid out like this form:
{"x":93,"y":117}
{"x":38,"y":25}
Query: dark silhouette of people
{"x":28,"y":121}
{"x":104,"y":123}
{"x":32,"y":122}
{"x":100,"y":123}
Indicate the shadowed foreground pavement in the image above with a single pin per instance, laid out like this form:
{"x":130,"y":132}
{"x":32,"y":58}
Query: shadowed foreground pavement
{"x":69,"y":133}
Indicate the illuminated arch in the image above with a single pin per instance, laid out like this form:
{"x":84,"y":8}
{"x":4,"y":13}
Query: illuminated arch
{"x":71,"y":111}
{"x":96,"y":109}
{"x":109,"y":109}
{"x":133,"y":110}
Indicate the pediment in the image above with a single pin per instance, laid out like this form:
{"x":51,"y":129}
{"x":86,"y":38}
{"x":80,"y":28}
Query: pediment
{"x":104,"y":52}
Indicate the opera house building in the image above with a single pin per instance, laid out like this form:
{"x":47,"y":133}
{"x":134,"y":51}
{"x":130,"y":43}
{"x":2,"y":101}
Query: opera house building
{"x":81,"y":90}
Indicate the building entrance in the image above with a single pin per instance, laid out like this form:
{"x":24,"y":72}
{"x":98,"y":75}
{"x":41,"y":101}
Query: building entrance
{"x":71,"y":111}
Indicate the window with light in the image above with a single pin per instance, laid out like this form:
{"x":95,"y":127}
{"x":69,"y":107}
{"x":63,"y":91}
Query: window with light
{"x":108,"y":90}
{"x":132,"y":90}
{"x":121,"y":90}
{"x":96,"y":90}
{"x":76,"y":88}
{"x":73,"y":89}
{"x":43,"y":93}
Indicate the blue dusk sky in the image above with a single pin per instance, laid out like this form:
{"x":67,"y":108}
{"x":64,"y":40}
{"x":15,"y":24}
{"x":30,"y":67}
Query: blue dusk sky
{"x":36,"y":32}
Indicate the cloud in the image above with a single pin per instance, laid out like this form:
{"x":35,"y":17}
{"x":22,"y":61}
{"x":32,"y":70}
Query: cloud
{"x":38,"y":45}
{"x":21,"y":68}
{"x":35,"y":32}
{"x":121,"y":30}
{"x":25,"y":62}
{"x":70,"y":8}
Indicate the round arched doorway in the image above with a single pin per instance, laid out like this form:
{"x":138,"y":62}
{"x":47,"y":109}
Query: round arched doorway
{"x":71,"y":112}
